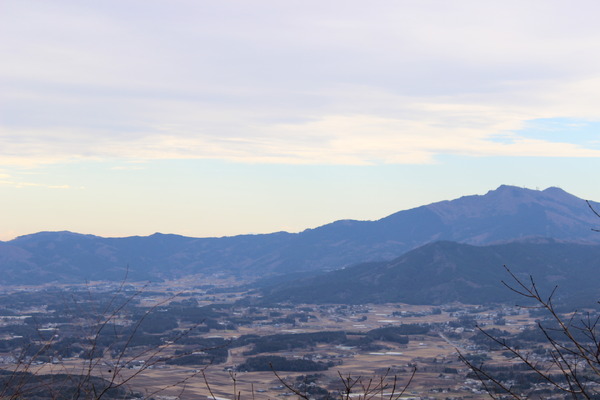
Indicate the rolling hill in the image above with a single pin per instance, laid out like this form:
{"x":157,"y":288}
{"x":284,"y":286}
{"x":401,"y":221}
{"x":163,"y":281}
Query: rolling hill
{"x":444,"y":272}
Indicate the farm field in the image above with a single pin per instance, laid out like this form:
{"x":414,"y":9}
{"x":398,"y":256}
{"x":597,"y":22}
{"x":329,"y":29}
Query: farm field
{"x":239,"y":330}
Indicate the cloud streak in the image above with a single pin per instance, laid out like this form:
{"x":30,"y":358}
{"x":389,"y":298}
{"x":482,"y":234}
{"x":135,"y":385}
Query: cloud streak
{"x":291,"y":82}
{"x":20,"y":185}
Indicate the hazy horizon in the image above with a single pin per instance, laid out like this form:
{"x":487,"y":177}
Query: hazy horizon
{"x":297,"y":231}
{"x":218,"y":119}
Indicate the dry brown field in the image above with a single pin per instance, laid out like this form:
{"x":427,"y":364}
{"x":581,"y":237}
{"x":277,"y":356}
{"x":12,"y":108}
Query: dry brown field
{"x":430,"y":354}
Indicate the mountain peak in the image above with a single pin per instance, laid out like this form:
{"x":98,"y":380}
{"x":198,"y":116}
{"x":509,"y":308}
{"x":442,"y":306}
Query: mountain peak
{"x":551,"y":212}
{"x":52,"y":235}
{"x":507,"y":196}
{"x":554,"y":189}
{"x":508,"y":188}
{"x":558,"y":193}
{"x":550,"y":192}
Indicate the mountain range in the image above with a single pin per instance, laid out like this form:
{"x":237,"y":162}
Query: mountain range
{"x":502,"y":215}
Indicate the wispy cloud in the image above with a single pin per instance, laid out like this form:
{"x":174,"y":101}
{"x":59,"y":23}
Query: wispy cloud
{"x":127,"y":168}
{"x":7,"y":180}
{"x":298,"y":83}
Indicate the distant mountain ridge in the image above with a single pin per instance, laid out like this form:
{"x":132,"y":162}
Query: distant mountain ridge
{"x":505,"y":214}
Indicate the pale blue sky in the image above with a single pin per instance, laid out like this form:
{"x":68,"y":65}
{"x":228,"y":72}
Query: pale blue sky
{"x":126,"y":117}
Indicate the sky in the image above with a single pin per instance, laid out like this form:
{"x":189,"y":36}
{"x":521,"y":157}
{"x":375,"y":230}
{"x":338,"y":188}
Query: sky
{"x":218,"y":118}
